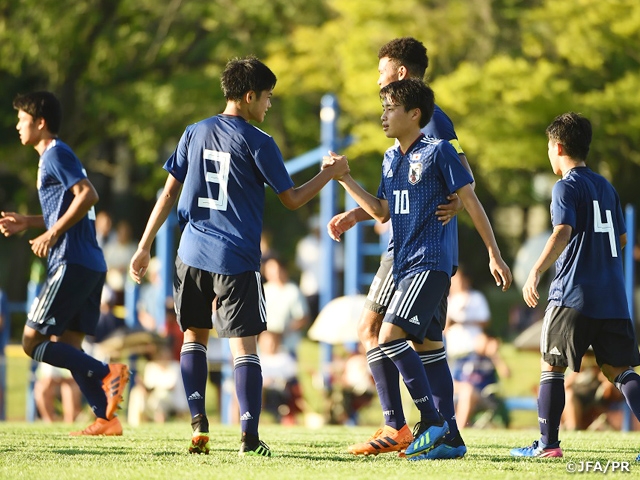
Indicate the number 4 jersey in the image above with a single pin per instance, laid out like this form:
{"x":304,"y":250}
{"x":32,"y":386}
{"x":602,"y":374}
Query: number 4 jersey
{"x":589,"y":275}
{"x":224,"y":163}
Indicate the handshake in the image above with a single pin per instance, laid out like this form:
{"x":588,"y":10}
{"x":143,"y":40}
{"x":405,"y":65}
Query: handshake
{"x":337,"y":164}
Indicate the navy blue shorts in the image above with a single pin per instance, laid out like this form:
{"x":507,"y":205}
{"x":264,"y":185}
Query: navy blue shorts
{"x":567,"y":334}
{"x":240,"y":303}
{"x":416,"y":306}
{"x":69,"y":300}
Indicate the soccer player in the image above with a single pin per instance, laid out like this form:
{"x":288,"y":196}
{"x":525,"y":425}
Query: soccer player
{"x":587,"y":303}
{"x":418,"y":173}
{"x":68,"y":306}
{"x":222,"y":164}
{"x":398,"y":59}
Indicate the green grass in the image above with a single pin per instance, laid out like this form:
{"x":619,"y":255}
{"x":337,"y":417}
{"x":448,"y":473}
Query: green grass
{"x":160,"y":451}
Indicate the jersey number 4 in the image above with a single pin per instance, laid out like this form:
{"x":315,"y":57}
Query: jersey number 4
{"x":221,"y":178}
{"x":605,"y":227}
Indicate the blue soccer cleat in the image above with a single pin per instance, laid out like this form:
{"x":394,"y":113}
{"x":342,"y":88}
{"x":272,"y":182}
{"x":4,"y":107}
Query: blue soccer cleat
{"x":446,"y":450}
{"x":538,"y":449}
{"x":426,"y":437}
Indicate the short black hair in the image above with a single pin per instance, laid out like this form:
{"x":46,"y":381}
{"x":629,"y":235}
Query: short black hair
{"x":43,"y":105}
{"x":573,"y":131}
{"x":242,"y":75}
{"x":411,"y":93}
{"x":409,"y":52}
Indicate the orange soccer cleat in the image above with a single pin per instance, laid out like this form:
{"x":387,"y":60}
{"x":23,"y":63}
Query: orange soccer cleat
{"x":101,"y":427}
{"x":386,"y":439}
{"x":113,"y":385}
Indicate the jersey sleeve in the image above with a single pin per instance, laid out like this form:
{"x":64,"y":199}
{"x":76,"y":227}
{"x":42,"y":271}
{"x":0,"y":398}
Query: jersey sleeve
{"x":65,"y":166}
{"x":271,"y":165}
{"x":454,"y":174}
{"x":177,"y":164}
{"x":440,"y":126}
{"x":563,"y":205}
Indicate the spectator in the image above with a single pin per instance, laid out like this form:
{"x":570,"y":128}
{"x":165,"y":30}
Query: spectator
{"x":308,"y":256}
{"x":281,"y":389}
{"x":477,"y":381}
{"x":150,"y":293}
{"x":52,"y":383}
{"x":158,"y":394}
{"x":117,"y":255}
{"x":287,"y":310}
{"x":468,"y":316}
{"x":104,"y":232}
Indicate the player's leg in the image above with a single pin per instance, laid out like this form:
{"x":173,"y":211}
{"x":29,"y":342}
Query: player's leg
{"x":241,"y":318}
{"x":395,"y":435}
{"x":617,"y":353}
{"x":409,"y":316}
{"x":193,"y":296}
{"x":566,"y":335}
{"x":68,"y":307}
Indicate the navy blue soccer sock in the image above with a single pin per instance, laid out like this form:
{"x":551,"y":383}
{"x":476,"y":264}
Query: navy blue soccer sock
{"x":387,"y":380}
{"x":410,"y":367}
{"x":628,"y":382}
{"x":94,"y":394}
{"x":63,"y":355}
{"x":86,"y":371}
{"x":194,"y":368}
{"x":248,"y":379}
{"x":550,"y":405}
{"x":437,"y":370}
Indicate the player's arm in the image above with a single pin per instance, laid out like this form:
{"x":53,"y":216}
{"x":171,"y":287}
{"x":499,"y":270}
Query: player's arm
{"x":446,"y":212}
{"x":378,"y":208}
{"x":12,"y":222}
{"x":162,"y":208}
{"x":499,"y":269}
{"x":556,"y":244}
{"x":295,"y":197}
{"x":342,"y":222}
{"x":84,"y":197}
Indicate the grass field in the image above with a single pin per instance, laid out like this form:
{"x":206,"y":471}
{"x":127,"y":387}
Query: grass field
{"x":159,"y":451}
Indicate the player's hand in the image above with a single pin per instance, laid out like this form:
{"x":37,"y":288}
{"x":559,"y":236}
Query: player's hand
{"x":338,"y":164}
{"x":340,"y":224}
{"x":139,"y":265}
{"x":12,"y":223}
{"x":501,"y":273}
{"x":445,"y":213}
{"x":530,"y":289}
{"x":43,"y":243}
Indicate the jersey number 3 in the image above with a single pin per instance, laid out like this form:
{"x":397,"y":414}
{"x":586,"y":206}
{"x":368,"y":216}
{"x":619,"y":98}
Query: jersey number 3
{"x":605,"y":227}
{"x":221,"y":178}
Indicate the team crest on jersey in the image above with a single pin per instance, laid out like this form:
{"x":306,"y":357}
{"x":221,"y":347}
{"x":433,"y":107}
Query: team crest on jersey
{"x":415,"y":173}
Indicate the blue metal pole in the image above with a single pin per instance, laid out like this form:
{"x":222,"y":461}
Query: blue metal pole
{"x":328,"y":132}
{"x":629,"y":264}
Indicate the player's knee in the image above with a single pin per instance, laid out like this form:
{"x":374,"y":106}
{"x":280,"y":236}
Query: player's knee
{"x":369,"y":328}
{"x":28,"y":345}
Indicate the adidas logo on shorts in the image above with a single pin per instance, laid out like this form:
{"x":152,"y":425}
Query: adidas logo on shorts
{"x":555,"y":351}
{"x":414,"y":320}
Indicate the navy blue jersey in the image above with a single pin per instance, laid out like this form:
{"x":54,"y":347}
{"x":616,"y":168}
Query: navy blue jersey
{"x":58,"y":170}
{"x":414,"y":185}
{"x":224,"y":163}
{"x":440,"y":126}
{"x":589,"y":275}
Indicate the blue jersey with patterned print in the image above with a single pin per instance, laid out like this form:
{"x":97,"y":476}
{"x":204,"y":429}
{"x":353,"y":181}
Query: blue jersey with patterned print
{"x":589,"y":275}
{"x":414,"y":184}
{"x":440,"y":126}
{"x":224,"y":163}
{"x":58,"y":170}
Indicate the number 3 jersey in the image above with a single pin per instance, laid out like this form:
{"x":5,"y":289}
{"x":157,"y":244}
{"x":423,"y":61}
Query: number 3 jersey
{"x":589,"y":275}
{"x":414,"y":184}
{"x":224,"y":163}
